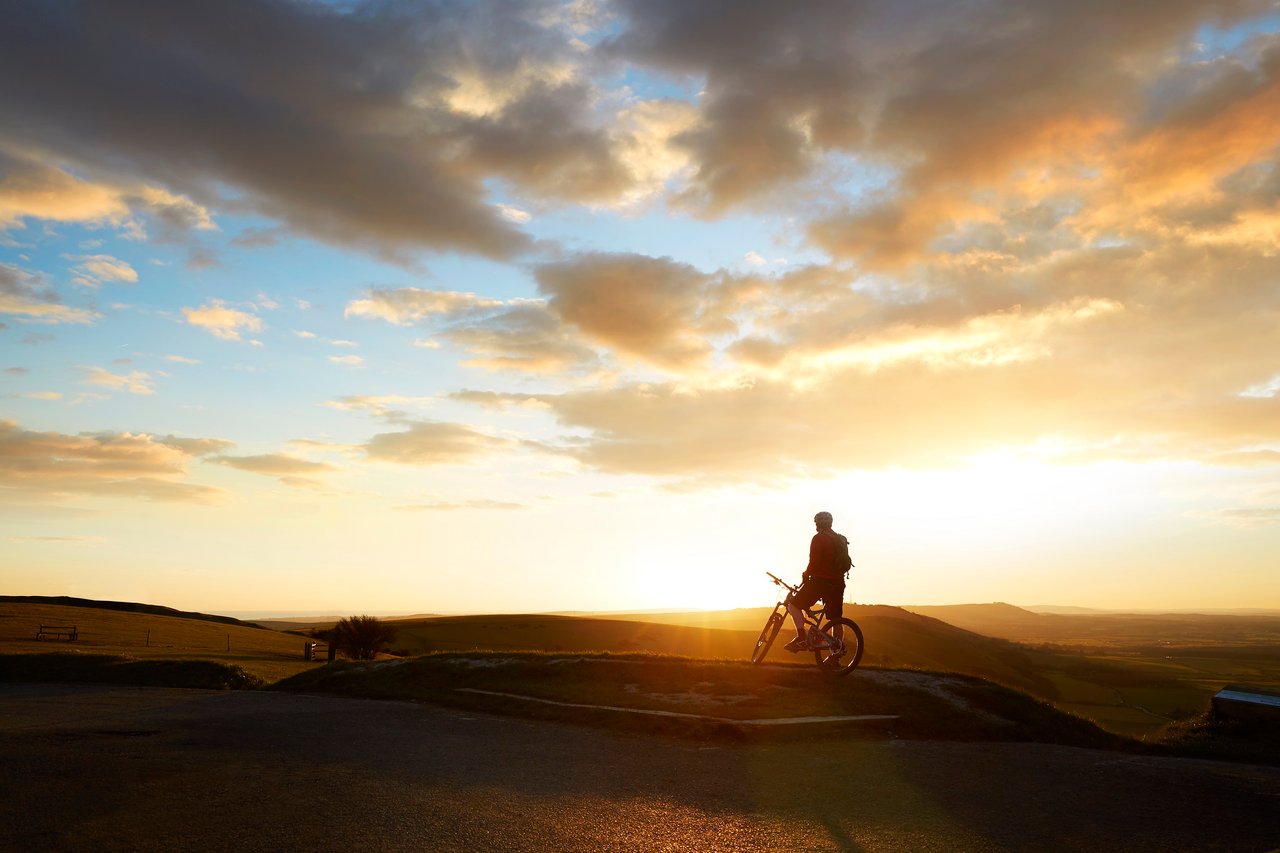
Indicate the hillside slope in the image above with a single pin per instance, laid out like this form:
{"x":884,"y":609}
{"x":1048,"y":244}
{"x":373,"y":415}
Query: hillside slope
{"x":123,"y":606}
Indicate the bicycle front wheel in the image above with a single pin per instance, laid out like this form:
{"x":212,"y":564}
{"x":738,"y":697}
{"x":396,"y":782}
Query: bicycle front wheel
{"x":768,"y":634}
{"x":844,"y":654}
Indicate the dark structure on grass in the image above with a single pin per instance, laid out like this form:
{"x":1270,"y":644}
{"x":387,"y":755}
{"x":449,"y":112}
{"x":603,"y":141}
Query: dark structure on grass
{"x":1248,"y":704}
{"x":361,"y":637}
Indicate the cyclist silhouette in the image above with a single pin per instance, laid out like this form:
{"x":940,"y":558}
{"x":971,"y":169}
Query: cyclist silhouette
{"x":823,"y":578}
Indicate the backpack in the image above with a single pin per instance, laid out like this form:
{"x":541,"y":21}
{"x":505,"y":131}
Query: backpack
{"x":841,"y":561}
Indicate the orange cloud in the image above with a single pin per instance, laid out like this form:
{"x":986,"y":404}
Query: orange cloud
{"x":45,"y":465}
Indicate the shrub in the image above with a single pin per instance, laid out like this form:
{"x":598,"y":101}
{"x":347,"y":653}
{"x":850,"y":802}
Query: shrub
{"x":360,"y":637}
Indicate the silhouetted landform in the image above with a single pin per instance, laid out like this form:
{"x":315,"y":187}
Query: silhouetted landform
{"x":1125,"y":681}
{"x":126,"y":606}
{"x":602,"y":689}
{"x":69,"y":667}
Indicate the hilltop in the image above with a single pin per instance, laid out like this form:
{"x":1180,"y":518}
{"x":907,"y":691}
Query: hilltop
{"x":124,"y":606}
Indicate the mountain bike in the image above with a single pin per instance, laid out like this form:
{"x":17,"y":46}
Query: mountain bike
{"x":834,"y":654}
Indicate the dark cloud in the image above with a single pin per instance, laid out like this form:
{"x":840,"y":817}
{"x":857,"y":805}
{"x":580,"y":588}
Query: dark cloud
{"x":642,"y":307}
{"x":28,"y":295}
{"x":950,"y":101}
{"x":341,"y":121}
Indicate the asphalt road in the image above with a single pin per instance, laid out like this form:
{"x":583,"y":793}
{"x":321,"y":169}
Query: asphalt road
{"x":101,"y":768}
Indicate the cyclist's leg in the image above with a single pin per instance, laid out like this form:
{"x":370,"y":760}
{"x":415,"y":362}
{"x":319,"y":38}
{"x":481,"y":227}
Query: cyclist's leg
{"x":833,"y":606}
{"x":804,"y":597}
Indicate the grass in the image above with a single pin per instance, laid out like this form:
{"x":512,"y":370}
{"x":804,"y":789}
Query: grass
{"x":967,"y":709}
{"x":1208,"y":736}
{"x":265,"y":654}
{"x":73,"y":667}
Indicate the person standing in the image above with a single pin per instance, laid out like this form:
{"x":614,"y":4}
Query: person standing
{"x":823,"y":579}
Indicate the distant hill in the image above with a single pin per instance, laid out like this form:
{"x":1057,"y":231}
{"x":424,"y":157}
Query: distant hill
{"x":125,"y":606}
{"x":1118,"y":631}
{"x":967,"y":615}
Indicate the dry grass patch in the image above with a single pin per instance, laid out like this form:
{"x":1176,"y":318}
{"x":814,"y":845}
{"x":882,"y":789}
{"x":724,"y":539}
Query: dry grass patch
{"x":265,"y":654}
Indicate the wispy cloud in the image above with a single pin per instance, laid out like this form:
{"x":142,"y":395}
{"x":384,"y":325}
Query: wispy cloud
{"x":449,"y":506}
{"x":135,"y":381}
{"x":94,"y":270}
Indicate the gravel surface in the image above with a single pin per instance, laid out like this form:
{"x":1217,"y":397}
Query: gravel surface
{"x":140,"y":769}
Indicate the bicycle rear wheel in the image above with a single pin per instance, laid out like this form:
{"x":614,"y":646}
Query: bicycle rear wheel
{"x":768,"y":634}
{"x":844,"y":656}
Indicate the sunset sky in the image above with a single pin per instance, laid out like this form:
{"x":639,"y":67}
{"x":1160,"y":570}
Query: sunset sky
{"x":531,"y":306}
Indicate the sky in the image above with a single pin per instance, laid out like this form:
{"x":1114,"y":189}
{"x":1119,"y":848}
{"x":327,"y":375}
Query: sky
{"x":443,"y":307}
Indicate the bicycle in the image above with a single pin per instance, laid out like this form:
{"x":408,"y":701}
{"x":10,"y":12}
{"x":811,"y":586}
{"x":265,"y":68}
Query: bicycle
{"x":838,"y":655}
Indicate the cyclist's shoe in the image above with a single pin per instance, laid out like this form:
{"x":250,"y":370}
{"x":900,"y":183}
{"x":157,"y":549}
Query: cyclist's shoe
{"x":799,"y":644}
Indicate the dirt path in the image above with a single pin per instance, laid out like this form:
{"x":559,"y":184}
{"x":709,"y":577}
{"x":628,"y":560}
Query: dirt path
{"x":98,"y":768}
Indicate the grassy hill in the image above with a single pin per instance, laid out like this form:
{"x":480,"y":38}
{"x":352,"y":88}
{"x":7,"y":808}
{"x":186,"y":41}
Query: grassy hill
{"x":125,"y":606}
{"x":150,"y":633}
{"x":1127,"y":688}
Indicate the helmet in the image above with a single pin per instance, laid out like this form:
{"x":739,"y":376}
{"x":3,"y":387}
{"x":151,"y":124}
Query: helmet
{"x":823,"y":518}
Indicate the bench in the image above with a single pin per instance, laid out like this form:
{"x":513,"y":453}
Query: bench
{"x":57,"y":632}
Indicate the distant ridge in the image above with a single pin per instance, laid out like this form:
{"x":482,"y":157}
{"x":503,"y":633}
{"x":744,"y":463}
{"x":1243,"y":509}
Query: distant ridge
{"x":1063,"y":610}
{"x":126,"y":606}
{"x":957,"y":614}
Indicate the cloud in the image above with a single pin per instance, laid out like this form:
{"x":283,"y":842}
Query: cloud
{"x":409,"y":109}
{"x":135,"y":381}
{"x":481,"y":503}
{"x":46,"y":465}
{"x":519,"y":335}
{"x":1248,"y":517}
{"x":222,"y":322}
{"x":349,"y":360}
{"x":93,"y":270}
{"x":25,"y":295}
{"x":196,"y":447}
{"x":407,"y":305}
{"x":433,"y":443}
{"x":290,"y":470}
{"x":523,"y":336}
{"x":32,"y":189}
{"x":379,"y":405}
{"x":642,"y":307}
{"x":514,"y":214}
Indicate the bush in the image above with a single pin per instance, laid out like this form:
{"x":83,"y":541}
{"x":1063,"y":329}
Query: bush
{"x":360,"y":637}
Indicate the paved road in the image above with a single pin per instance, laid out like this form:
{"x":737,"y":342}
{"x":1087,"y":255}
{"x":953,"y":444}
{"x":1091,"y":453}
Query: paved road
{"x":101,"y":768}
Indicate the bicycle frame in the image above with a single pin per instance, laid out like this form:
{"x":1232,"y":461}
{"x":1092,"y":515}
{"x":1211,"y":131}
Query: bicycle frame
{"x":814,"y":618}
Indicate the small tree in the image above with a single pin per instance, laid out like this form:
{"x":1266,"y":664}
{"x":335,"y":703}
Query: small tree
{"x":360,"y":637}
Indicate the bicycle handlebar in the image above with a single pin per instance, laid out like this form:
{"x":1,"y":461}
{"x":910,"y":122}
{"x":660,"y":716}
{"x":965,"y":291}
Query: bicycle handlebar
{"x":780,"y":582}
